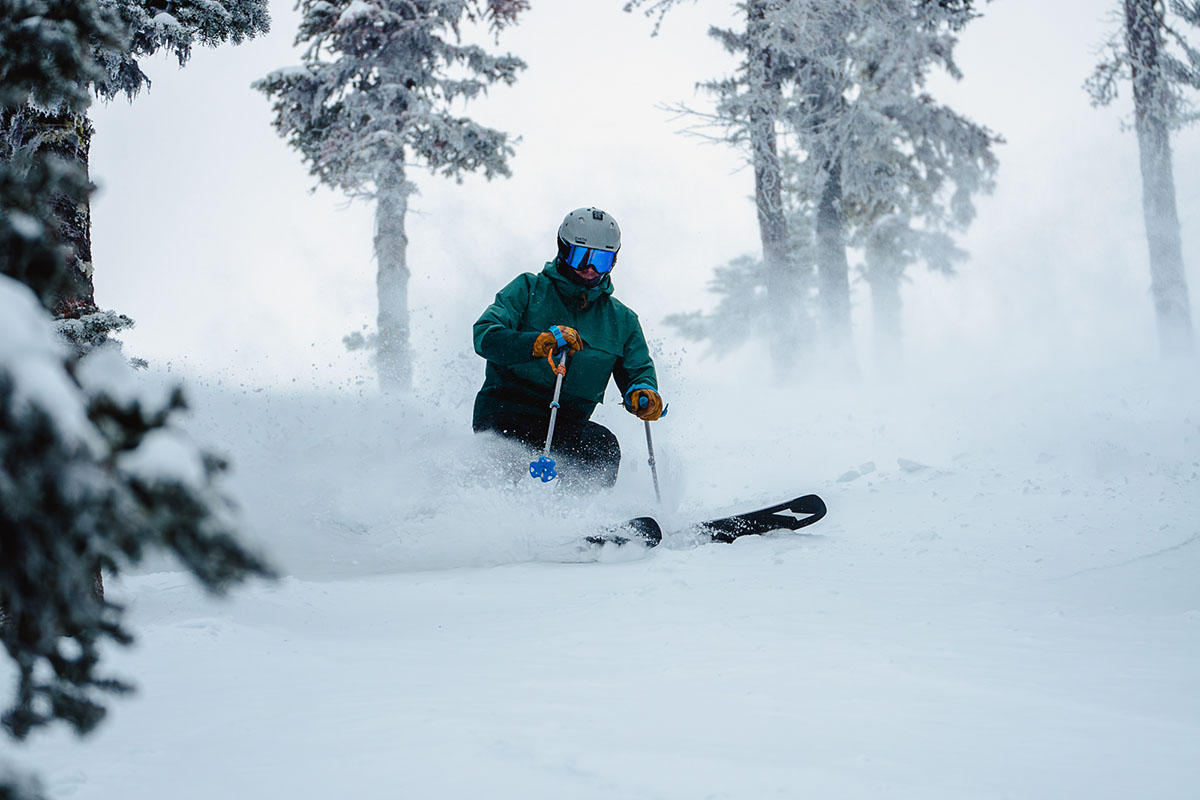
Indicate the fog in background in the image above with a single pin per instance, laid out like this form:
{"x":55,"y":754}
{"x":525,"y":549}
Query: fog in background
{"x":207,"y":234}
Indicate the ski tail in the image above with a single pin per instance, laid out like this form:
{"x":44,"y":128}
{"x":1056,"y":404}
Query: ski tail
{"x":643,"y":531}
{"x":793,"y":515}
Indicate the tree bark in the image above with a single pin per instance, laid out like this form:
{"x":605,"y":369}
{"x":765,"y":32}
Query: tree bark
{"x":74,"y":216}
{"x":1168,"y":279}
{"x":784,"y":299}
{"x":393,"y":354}
{"x":833,"y":268}
{"x":66,"y":136}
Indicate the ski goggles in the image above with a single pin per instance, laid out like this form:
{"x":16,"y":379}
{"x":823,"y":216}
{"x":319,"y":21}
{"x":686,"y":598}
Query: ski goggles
{"x":578,"y":257}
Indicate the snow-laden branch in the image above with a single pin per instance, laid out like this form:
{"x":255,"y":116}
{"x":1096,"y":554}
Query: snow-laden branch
{"x":378,"y":84}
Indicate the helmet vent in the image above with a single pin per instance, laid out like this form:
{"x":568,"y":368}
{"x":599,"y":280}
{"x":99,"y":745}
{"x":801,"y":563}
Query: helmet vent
{"x":597,"y":214}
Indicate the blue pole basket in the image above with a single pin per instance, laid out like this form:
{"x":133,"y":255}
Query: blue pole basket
{"x":543,"y":468}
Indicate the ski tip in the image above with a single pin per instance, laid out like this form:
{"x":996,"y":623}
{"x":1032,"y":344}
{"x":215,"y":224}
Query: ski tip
{"x":797,"y":513}
{"x":809,"y":504}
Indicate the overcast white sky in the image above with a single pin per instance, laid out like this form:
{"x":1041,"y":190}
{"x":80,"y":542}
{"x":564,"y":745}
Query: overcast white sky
{"x":206,"y":233}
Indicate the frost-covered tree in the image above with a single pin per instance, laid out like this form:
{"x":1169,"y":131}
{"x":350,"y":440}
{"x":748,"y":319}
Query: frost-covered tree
{"x":830,"y":101}
{"x":749,"y":111}
{"x":43,"y":133}
{"x":1152,"y":52}
{"x":889,"y":167}
{"x":754,"y":106}
{"x":910,"y":167}
{"x":375,"y":94}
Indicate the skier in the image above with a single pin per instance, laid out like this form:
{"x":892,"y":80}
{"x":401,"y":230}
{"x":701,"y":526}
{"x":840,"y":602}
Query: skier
{"x":568,"y":306}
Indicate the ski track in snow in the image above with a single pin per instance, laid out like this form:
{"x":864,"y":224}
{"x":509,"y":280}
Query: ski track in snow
{"x":1002,"y":603}
{"x":1188,"y":542}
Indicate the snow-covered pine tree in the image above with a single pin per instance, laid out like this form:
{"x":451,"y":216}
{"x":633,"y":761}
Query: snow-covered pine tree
{"x":767,"y":67}
{"x":93,"y":473}
{"x":1152,"y":52}
{"x":879,"y":151}
{"x":874,"y":161}
{"x":748,"y":114}
{"x":47,"y":132}
{"x":375,"y":94}
{"x":910,"y":167}
{"x":751,"y":106}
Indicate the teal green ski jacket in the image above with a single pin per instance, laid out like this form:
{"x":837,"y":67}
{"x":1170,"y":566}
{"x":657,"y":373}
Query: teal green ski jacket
{"x":516,"y":381}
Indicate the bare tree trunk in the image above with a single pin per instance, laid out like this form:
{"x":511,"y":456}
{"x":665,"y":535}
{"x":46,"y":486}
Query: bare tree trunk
{"x":884,"y":280}
{"x":833,"y":269}
{"x":1168,"y":278}
{"x":393,"y":355}
{"x":784,"y":299}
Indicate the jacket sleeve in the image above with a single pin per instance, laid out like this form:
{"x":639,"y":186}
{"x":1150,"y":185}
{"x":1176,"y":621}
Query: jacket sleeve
{"x":635,"y":367}
{"x":498,"y":337}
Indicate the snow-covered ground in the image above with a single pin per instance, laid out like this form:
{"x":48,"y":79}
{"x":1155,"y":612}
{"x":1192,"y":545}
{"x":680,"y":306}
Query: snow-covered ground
{"x":1002,"y":603}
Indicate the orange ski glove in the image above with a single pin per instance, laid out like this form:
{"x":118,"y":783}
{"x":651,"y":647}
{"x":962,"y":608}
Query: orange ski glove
{"x":646,"y":403}
{"x":548,"y":343}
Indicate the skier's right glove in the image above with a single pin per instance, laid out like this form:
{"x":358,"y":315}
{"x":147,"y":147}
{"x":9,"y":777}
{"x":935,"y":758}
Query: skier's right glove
{"x":550,"y":342}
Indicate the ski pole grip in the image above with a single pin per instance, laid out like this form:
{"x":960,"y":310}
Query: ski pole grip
{"x":644,"y":401}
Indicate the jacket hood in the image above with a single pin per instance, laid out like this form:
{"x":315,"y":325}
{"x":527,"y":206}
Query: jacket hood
{"x":574,"y":294}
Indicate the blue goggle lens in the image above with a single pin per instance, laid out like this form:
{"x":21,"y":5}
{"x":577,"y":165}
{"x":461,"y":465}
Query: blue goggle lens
{"x":579,"y":257}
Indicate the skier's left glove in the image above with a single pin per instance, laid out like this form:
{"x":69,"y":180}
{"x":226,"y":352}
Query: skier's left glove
{"x":644,"y":402}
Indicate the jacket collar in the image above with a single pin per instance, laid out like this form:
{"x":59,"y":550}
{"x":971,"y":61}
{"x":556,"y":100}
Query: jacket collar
{"x":573,"y":295}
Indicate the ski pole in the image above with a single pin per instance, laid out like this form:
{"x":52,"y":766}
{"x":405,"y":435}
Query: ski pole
{"x":653,"y":468}
{"x":544,"y":467}
{"x":642,"y":403}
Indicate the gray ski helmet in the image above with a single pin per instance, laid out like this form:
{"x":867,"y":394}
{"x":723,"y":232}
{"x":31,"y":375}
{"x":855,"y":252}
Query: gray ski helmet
{"x":590,"y":227}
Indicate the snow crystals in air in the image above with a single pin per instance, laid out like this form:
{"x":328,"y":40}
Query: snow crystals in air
{"x":1002,"y":599}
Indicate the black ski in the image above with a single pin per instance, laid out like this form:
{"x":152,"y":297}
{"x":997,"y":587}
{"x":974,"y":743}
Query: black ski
{"x":643,"y":531}
{"x":793,"y":515}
